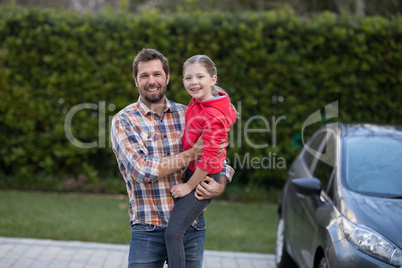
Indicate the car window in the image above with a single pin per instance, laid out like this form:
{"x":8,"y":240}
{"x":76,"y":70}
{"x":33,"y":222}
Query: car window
{"x":324,"y":173}
{"x":330,"y":188}
{"x":373,"y":164}
{"x":321,"y":157}
{"x":323,"y":169}
{"x":314,"y":145}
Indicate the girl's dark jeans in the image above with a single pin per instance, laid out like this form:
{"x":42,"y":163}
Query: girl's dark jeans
{"x":186,"y":210}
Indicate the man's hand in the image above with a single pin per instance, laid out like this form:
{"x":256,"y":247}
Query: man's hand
{"x":198,"y":147}
{"x":180,"y":190}
{"x":209,"y":188}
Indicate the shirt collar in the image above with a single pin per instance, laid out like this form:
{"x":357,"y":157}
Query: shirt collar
{"x":146,"y":111}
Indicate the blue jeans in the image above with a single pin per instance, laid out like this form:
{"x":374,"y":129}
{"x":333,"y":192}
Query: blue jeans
{"x":148,"y":248}
{"x":186,"y":210}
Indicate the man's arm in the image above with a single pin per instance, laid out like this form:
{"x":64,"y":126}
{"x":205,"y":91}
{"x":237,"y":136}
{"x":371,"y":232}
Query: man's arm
{"x":170,"y":164}
{"x":131,"y":152}
{"x":209,"y":188}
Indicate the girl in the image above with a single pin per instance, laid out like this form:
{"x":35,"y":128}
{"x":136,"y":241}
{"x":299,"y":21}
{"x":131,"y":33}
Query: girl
{"x":209,"y":114}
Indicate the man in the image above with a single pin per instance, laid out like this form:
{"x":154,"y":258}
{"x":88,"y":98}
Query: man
{"x":146,"y":139}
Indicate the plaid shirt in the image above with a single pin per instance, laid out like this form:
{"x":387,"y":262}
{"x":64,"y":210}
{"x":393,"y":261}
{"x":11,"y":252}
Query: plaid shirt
{"x":140,"y":139}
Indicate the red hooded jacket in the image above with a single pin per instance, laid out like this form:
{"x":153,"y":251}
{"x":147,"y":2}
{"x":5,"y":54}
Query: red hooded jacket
{"x":213,"y":119}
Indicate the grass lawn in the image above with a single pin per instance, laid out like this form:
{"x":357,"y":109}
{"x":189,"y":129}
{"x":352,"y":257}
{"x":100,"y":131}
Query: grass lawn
{"x":231,"y":226}
{"x":241,"y":227}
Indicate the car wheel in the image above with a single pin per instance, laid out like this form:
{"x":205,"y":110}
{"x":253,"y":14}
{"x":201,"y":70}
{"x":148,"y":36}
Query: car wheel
{"x":323,"y":263}
{"x":282,"y":257}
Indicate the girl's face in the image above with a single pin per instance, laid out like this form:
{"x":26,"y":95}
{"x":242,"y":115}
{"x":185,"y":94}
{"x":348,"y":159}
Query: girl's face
{"x":198,"y":82}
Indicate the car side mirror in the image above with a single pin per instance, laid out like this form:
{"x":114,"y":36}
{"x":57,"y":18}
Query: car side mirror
{"x":307,"y":186}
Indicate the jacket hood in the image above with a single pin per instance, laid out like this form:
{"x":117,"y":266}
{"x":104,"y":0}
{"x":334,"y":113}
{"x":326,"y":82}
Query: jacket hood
{"x":220,"y":106}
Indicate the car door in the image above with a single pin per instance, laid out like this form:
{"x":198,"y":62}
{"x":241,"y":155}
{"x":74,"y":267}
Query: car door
{"x":305,"y":227}
{"x":296,"y":221}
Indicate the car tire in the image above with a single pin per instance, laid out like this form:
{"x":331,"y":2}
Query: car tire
{"x":282,"y":257}
{"x":323,"y":263}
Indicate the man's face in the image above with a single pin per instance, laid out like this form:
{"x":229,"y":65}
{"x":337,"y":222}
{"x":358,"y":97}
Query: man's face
{"x":152,"y":82}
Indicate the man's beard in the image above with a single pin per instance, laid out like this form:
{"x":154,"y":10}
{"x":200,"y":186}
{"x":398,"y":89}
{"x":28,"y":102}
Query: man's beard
{"x":154,"y":99}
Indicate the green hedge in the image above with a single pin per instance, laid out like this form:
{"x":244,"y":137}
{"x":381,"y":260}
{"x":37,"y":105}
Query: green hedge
{"x":274,"y":65}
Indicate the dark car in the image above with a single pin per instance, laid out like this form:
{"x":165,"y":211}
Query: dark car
{"x":341,"y":205}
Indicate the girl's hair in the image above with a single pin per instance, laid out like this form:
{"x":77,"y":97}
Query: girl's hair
{"x":210,"y":67}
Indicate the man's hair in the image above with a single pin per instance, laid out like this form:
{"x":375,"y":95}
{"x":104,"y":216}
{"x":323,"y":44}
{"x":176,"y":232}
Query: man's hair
{"x":148,"y":54}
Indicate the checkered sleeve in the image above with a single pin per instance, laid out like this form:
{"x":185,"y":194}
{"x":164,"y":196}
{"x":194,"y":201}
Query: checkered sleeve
{"x":131,"y":152}
{"x":227,"y":171}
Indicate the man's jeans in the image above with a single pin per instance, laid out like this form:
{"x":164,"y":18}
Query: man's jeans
{"x":148,"y":248}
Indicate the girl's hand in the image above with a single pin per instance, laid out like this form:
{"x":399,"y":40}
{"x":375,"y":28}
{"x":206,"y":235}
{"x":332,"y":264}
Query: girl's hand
{"x":180,"y":190}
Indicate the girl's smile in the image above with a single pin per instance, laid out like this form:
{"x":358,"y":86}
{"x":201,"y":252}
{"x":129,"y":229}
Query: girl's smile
{"x":198,"y":82}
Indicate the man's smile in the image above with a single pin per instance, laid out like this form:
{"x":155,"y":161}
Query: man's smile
{"x":153,"y":89}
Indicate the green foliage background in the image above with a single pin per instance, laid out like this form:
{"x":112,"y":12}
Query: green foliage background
{"x":273,"y":64}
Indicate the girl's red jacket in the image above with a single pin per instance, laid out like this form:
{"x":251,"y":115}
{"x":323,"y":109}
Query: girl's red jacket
{"x":211,"y":118}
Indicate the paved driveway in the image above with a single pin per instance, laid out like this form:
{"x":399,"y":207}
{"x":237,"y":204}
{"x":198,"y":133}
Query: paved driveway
{"x":34,"y":253}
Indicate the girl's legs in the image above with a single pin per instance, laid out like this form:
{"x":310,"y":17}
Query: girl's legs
{"x":186,"y":211}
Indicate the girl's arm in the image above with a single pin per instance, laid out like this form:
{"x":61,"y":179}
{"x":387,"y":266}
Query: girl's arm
{"x":213,"y":134}
{"x":197,"y":177}
{"x":183,"y":189}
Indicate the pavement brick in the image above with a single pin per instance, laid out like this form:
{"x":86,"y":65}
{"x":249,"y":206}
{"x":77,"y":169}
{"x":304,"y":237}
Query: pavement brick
{"x":43,"y":253}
